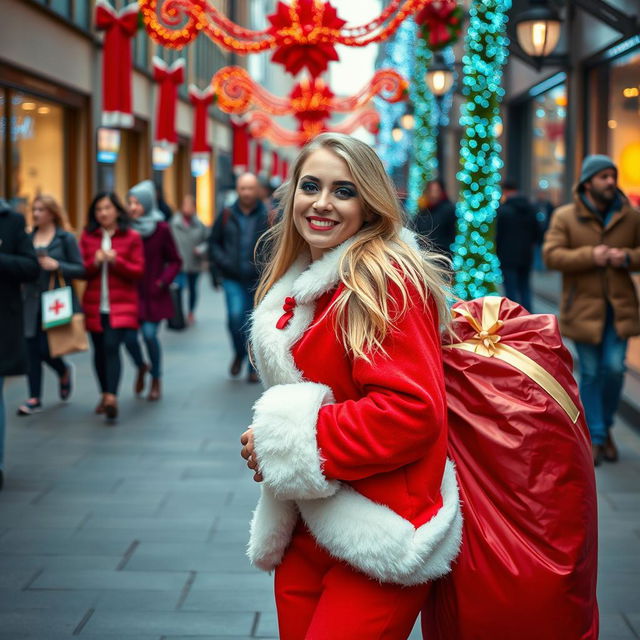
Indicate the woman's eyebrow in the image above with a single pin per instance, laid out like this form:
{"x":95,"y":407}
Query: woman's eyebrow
{"x":335,"y":183}
{"x":308,"y":177}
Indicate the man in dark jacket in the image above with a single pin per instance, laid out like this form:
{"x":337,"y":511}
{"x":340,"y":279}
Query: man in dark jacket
{"x":517,"y":233}
{"x":18,"y":263}
{"x":437,"y":220}
{"x":232,"y":244}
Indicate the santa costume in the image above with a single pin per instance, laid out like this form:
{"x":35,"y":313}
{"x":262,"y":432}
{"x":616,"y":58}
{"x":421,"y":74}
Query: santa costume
{"x":359,"y":506}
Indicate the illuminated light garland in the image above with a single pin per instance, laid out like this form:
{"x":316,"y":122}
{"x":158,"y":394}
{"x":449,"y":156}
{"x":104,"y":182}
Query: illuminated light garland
{"x":477,"y":269}
{"x":303,"y":32}
{"x":261,"y":125}
{"x":311,"y":101}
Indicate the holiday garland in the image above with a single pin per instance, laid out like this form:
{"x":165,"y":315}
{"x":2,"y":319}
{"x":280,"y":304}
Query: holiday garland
{"x":475,"y":264}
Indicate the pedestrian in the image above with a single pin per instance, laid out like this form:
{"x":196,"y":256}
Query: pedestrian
{"x":436,"y":220}
{"x":18,"y":264}
{"x":517,"y":233}
{"x":190,"y":235}
{"x":114,"y":262}
{"x":595,"y":243}
{"x":60,"y":261}
{"x":232,"y":246}
{"x":359,"y":506}
{"x":162,"y":265}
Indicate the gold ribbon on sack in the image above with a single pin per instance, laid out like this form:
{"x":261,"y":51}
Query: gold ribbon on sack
{"x":486,"y":342}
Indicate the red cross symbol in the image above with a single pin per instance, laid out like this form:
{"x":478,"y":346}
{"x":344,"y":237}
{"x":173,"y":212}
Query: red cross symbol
{"x":56,"y":307}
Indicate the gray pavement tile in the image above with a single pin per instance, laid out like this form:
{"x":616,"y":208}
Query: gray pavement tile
{"x":634,"y":621}
{"x":208,"y":581}
{"x":11,"y":561}
{"x":17,"y":578}
{"x":102,"y":580}
{"x":176,"y":623}
{"x":88,"y":533}
{"x":168,"y":524}
{"x":77,"y":601}
{"x":613,"y":625}
{"x":267,"y":626}
{"x":37,"y":622}
{"x":618,"y":591}
{"x":625,"y":500}
{"x":63,"y":547}
{"x":138,"y":600}
{"x":228,"y":599}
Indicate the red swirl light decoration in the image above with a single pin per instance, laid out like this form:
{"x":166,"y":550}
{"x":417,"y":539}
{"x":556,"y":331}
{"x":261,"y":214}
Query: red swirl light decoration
{"x":303,"y":33}
{"x":261,"y":125}
{"x":310,"y":99}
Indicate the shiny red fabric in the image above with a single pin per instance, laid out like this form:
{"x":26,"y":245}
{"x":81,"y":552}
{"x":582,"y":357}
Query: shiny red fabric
{"x":527,"y":567}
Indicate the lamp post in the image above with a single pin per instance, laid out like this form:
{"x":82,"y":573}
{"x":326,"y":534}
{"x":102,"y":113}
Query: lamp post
{"x":439,"y":76}
{"x":538,"y":29}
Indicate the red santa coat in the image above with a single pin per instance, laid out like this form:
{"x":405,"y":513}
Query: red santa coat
{"x":357,"y":449}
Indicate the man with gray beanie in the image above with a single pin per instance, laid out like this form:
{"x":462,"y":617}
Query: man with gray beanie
{"x":595,"y":243}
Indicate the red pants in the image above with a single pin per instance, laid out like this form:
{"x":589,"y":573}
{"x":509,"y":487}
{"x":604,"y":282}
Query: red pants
{"x":321,"y":598}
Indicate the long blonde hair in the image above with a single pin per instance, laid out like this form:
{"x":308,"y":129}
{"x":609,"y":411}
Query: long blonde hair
{"x":377,"y":257}
{"x":56,"y":210}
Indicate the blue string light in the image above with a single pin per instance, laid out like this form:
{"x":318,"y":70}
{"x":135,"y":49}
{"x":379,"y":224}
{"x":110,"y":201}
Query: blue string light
{"x":477,"y":269}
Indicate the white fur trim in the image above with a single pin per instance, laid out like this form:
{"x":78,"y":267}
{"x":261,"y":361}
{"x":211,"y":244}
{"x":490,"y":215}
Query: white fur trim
{"x":158,"y":63}
{"x":382,"y":544}
{"x":114,"y":119}
{"x":195,"y":91}
{"x":368,"y":536}
{"x":284,"y":426}
{"x":271,"y":528}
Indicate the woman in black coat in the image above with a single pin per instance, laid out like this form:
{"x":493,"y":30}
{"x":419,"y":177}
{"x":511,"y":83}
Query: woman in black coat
{"x":58,"y":253}
{"x":18,"y":264}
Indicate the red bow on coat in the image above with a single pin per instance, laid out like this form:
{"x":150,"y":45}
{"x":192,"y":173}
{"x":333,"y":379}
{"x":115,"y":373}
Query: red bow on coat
{"x":168,"y":79}
{"x":119,"y":28}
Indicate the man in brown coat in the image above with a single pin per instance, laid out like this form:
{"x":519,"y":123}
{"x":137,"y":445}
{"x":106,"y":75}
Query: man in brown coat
{"x":595,"y":243}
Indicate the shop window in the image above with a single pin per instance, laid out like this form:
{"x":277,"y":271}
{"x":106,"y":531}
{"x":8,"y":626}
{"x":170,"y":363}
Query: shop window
{"x":37,"y":150}
{"x":547,"y":171}
{"x":623,"y":143}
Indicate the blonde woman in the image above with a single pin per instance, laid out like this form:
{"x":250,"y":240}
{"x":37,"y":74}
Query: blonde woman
{"x":359,"y":507}
{"x":58,"y":254}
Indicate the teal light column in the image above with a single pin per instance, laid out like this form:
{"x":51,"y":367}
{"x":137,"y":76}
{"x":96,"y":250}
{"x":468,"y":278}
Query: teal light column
{"x":475,"y":263}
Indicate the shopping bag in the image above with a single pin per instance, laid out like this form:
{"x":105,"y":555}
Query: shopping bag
{"x":68,"y":338}
{"x":528,"y":560}
{"x":176,"y":322}
{"x":57,"y":304}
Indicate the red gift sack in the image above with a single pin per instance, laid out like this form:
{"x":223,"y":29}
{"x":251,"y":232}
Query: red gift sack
{"x":527,"y":566}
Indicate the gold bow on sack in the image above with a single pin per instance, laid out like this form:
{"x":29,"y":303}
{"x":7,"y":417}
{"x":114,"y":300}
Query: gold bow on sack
{"x":486,"y":342}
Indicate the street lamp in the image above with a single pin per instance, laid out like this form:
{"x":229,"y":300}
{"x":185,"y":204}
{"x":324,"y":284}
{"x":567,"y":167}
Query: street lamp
{"x":538,"y":29}
{"x":439,"y":77}
{"x":407,"y":121}
{"x":397,"y":134}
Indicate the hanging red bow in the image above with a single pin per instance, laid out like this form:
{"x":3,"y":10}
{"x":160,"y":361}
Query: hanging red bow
{"x":240,"y":148}
{"x":168,"y":79}
{"x":441,"y":22}
{"x":257,"y":164}
{"x":201,"y":101}
{"x":118,"y":29}
{"x":275,"y":164}
{"x":288,"y":307}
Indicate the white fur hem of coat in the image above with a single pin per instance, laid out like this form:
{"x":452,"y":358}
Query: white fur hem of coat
{"x":368,"y":536}
{"x":284,"y":428}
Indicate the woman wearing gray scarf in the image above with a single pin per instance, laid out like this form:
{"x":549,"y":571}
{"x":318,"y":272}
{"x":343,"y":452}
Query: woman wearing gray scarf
{"x":162,"y":264}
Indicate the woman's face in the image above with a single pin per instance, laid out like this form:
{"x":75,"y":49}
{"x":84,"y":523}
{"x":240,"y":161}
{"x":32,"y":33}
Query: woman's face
{"x":326,"y":207}
{"x":106,"y":213}
{"x":135,"y":207}
{"x":41,"y":215}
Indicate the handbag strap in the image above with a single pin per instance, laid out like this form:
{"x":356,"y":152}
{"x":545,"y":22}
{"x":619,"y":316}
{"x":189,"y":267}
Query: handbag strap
{"x":61,"y":280}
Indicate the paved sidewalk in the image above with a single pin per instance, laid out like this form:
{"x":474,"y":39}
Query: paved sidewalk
{"x":138,"y":531}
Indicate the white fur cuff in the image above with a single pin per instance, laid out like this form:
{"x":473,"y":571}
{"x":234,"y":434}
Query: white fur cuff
{"x":284,"y":425}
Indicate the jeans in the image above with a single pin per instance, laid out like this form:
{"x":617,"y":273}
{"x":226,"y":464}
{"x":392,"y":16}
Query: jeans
{"x":189,"y":280}
{"x":38,"y":352}
{"x":517,"y":286}
{"x":149,"y":332}
{"x":2,"y":422}
{"x":602,"y":369}
{"x":106,"y":355}
{"x":239,"y":298}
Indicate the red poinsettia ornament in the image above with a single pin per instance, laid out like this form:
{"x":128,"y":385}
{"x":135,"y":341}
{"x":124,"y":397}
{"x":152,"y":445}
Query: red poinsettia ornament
{"x":299,"y":26}
{"x":441,"y":22}
{"x":311,"y":101}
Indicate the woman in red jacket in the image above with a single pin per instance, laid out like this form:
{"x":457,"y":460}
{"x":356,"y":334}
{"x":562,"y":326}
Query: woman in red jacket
{"x":114,"y":262}
{"x":359,"y":506}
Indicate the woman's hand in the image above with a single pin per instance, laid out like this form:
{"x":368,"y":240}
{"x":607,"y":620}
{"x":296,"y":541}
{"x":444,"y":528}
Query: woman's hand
{"x":249,"y":454}
{"x":100,"y":257}
{"x":110,"y":255}
{"x":48,"y":263}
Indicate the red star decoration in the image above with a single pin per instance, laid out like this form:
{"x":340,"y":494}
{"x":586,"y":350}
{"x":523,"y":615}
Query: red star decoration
{"x":296,"y":27}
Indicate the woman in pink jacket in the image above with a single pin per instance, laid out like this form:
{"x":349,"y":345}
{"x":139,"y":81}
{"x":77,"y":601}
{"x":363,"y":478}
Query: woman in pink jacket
{"x":359,"y":506}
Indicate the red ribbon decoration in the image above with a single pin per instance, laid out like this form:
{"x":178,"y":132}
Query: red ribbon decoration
{"x":119,"y":28}
{"x":258,"y":159}
{"x":168,"y":78}
{"x":440,"y":19}
{"x":288,"y":307}
{"x":275,"y":164}
{"x":240,"y":149}
{"x":201,"y":101}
